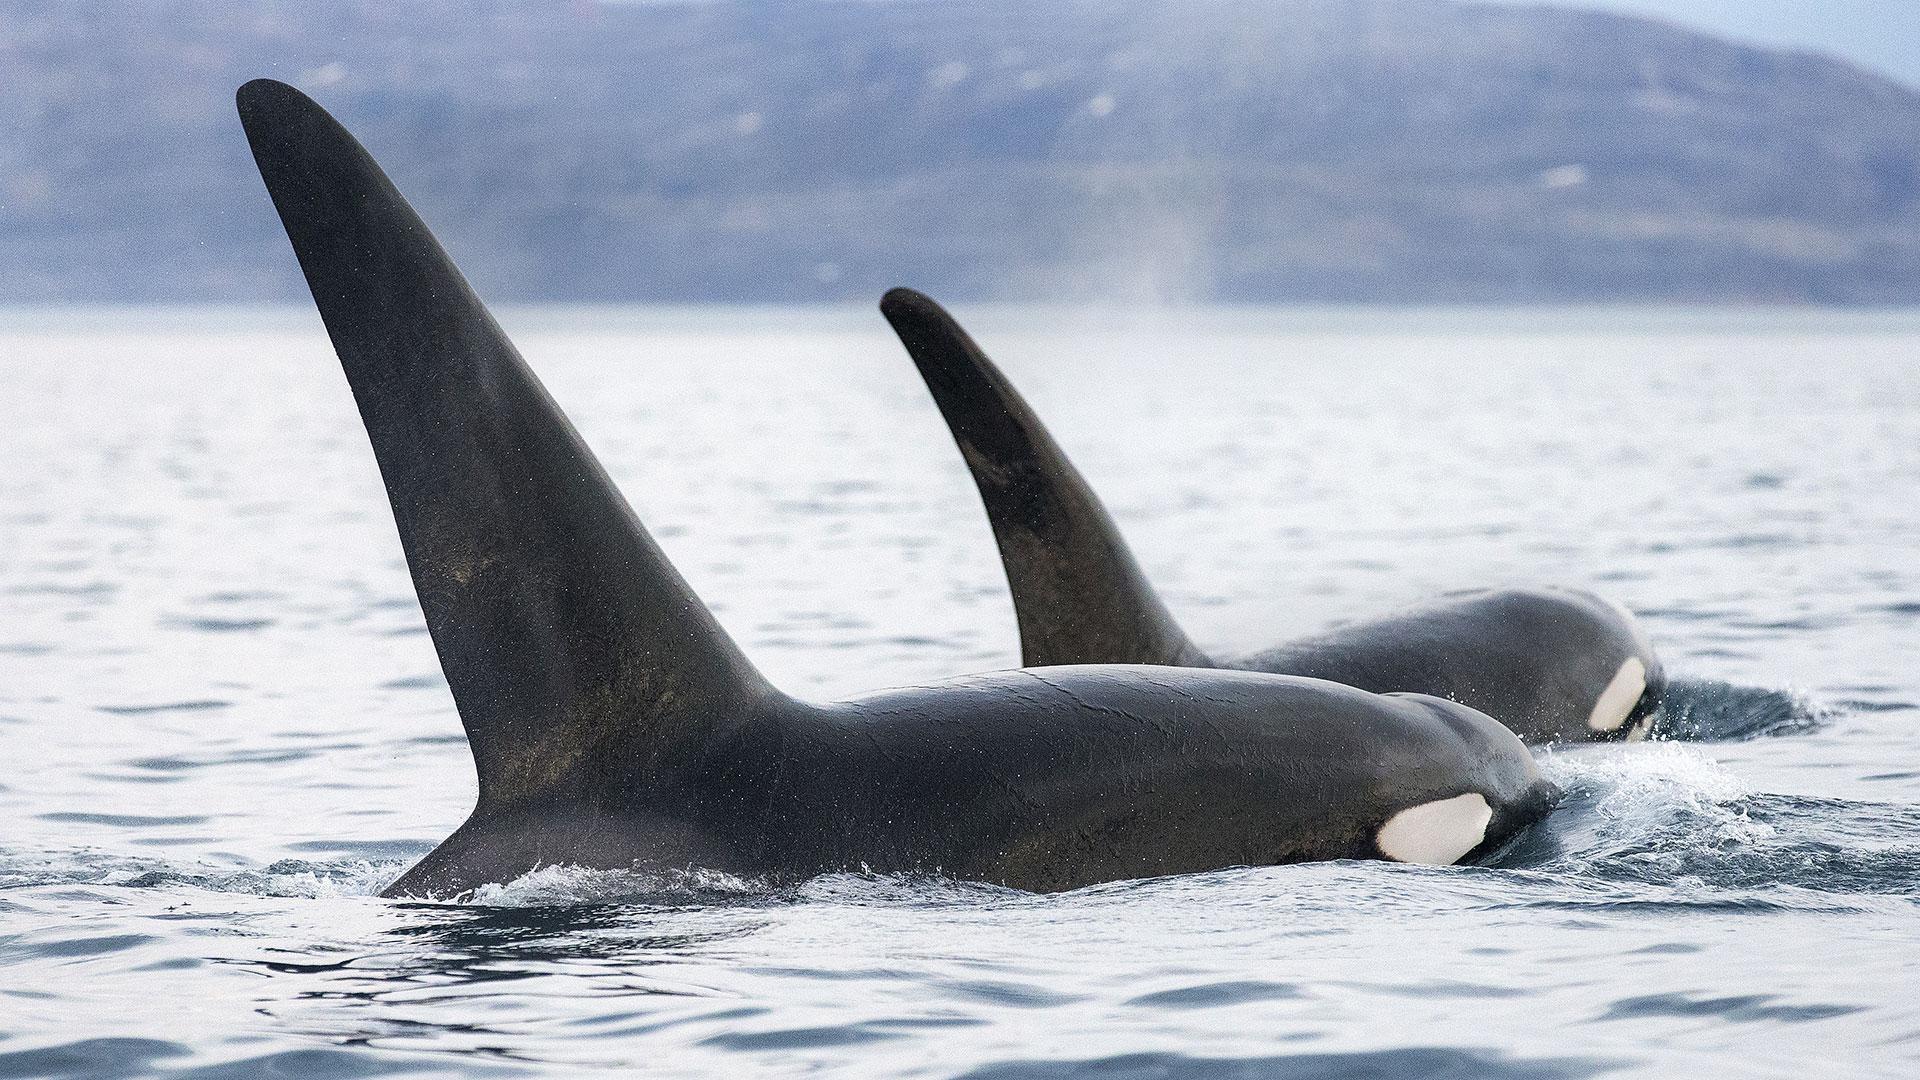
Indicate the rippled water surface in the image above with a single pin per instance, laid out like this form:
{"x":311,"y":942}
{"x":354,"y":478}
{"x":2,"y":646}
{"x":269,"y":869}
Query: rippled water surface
{"x":222,"y":727}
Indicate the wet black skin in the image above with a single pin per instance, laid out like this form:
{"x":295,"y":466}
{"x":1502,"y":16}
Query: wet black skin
{"x":1536,"y":660}
{"x":1041,"y":779}
{"x":614,"y":724}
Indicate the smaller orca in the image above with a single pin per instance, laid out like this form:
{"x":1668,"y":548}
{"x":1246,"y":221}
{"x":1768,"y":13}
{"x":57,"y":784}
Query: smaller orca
{"x":615,"y":725}
{"x":1551,"y":664}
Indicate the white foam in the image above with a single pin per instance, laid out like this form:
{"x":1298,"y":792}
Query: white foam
{"x":1436,"y":833}
{"x":1621,"y":695}
{"x":309,"y":881}
{"x":1640,"y":790}
{"x":564,"y":885}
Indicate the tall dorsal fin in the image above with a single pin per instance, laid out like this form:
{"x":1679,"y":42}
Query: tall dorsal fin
{"x":575,"y":652}
{"x":1079,"y":595}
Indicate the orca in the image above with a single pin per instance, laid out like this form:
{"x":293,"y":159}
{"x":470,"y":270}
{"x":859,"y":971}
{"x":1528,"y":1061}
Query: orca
{"x":615,"y":725}
{"x":1550,"y":664}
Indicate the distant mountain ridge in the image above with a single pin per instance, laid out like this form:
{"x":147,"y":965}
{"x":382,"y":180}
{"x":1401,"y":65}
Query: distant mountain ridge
{"x":1236,"y":150}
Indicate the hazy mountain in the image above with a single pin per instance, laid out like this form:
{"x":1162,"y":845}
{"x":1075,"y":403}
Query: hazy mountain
{"x":1391,"y":150}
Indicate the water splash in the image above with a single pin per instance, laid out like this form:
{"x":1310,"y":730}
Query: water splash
{"x":1669,"y":815}
{"x":1647,"y":802}
{"x":1705,"y":710}
{"x":548,"y":886}
{"x":289,"y":878}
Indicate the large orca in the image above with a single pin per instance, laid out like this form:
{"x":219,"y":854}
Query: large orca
{"x":614,"y":724}
{"x":1551,"y":664}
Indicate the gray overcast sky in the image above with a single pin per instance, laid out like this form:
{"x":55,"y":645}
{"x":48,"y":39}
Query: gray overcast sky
{"x":1883,"y":35}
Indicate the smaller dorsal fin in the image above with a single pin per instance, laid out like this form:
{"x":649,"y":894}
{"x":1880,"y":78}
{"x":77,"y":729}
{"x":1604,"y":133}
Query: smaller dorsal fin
{"x":1079,"y":595}
{"x":576,"y":654}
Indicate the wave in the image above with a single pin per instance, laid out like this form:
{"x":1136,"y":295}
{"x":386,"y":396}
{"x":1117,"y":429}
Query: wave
{"x":1708,"y":710}
{"x":1667,"y":814}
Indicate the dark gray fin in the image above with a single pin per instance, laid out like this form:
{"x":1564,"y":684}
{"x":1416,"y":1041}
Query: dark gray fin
{"x":577,"y":656}
{"x":1079,"y":595}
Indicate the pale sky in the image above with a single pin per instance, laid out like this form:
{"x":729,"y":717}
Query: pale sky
{"x":1883,"y":35}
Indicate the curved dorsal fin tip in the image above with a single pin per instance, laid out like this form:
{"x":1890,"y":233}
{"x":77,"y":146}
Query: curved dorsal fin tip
{"x":916,"y":317}
{"x":901,"y":297}
{"x":957,"y":370}
{"x":257,"y":94}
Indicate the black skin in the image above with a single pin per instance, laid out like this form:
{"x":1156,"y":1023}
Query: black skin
{"x":1536,"y":660}
{"x":614,"y":724}
{"x":1042,"y":779}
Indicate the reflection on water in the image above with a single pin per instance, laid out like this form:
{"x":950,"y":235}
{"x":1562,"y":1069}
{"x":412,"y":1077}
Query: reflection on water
{"x":223,"y":729}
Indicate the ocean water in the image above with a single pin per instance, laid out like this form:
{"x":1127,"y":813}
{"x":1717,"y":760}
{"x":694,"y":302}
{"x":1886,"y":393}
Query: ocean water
{"x":222,"y":728}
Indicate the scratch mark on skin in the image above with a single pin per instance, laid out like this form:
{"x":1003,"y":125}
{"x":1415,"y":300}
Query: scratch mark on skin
{"x":1105,"y":710}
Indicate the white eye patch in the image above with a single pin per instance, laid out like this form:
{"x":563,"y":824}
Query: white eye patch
{"x":1618,"y":699}
{"x":1436,"y":833}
